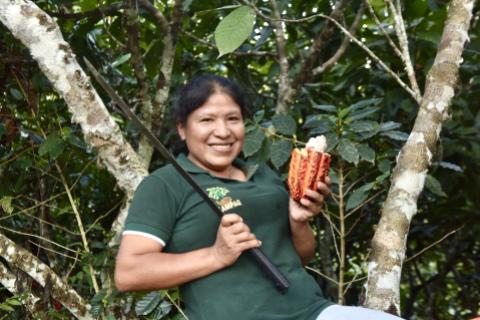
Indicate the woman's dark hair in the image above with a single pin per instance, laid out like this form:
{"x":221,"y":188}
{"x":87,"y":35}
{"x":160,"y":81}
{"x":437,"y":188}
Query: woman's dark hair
{"x":197,"y":91}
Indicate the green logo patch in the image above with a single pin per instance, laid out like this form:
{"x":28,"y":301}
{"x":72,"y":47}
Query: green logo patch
{"x":219,"y":195}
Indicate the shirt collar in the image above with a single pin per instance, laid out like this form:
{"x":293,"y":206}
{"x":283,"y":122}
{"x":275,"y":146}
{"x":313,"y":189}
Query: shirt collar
{"x":248,"y":168}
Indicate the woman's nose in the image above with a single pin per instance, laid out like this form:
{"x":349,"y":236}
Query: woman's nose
{"x":222,"y":129}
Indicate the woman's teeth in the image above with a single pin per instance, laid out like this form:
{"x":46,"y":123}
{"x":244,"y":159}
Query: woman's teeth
{"x":222,"y":147}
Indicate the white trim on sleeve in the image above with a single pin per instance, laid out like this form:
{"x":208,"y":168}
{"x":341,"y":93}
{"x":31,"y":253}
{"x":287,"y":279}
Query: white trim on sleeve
{"x":144,"y":234}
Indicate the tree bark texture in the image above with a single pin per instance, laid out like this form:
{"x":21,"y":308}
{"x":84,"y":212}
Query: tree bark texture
{"x":408,"y":177}
{"x":42,"y":36}
{"x":60,"y":290}
{"x":9,"y":280}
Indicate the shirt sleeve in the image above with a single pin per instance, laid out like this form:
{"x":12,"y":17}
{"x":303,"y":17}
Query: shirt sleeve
{"x":153,"y":210}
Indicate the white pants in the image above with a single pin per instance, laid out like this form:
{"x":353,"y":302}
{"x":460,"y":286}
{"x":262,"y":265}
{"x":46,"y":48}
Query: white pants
{"x":337,"y":312}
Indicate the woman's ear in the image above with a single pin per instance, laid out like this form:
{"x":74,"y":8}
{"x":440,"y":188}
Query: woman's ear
{"x":181,"y":130}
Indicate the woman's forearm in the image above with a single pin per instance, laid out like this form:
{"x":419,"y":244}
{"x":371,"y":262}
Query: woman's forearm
{"x":160,"y":270}
{"x":303,"y":240}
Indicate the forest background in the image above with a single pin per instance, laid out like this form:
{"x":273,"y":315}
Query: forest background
{"x":377,"y":78}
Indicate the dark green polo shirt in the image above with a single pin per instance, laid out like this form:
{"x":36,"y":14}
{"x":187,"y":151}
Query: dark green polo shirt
{"x":166,"y":208}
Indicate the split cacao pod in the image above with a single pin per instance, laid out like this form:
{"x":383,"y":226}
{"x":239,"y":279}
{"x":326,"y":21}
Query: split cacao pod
{"x":307,"y":167}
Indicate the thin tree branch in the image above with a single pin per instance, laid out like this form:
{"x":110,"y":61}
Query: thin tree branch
{"x":344,"y":45}
{"x":363,"y":203}
{"x":157,"y":14}
{"x":305,"y":73}
{"x":165,"y":74}
{"x":350,"y":36}
{"x":385,"y":33}
{"x":235,"y":53}
{"x":284,"y":88}
{"x":145,"y":148}
{"x":374,"y":57}
{"x":80,"y":226}
{"x":38,"y":237}
{"x":403,"y":41}
{"x":100,"y":12}
{"x":321,"y":274}
{"x":433,"y":244}
{"x":53,"y":251}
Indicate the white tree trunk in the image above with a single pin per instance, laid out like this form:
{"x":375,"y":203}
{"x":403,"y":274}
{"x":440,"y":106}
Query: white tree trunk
{"x":42,"y":36}
{"x":408,"y":178}
{"x":60,"y":290}
{"x":9,"y":281}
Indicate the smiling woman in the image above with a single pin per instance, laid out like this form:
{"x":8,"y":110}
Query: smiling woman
{"x":171,"y":237}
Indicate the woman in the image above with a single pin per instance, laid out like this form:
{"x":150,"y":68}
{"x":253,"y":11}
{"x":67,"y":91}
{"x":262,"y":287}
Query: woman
{"x":172,"y":238}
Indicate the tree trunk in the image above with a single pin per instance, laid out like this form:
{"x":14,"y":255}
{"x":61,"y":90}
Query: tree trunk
{"x":42,"y":36}
{"x":408,"y":178}
{"x":60,"y":290}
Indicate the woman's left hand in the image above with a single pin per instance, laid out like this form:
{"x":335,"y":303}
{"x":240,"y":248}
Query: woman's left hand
{"x":310,"y":205}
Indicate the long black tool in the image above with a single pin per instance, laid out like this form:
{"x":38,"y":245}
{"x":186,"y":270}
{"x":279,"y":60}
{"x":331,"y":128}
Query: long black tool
{"x":265,"y":264}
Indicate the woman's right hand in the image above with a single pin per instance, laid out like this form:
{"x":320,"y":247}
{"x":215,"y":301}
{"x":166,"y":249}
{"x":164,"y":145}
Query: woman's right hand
{"x":233,"y":237}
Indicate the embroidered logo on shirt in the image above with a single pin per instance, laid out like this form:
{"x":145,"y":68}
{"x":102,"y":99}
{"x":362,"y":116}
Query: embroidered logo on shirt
{"x":219,"y":195}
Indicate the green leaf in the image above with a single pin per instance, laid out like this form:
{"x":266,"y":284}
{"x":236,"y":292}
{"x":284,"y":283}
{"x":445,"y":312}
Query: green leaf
{"x":6,"y":307}
{"x":253,"y":141}
{"x":325,"y":107}
{"x":384,"y":165}
{"x":234,"y":29}
{"x":281,"y":150}
{"x":53,"y":145}
{"x":284,"y":124}
{"x":362,"y":113}
{"x":395,"y":135}
{"x":121,"y":60}
{"x":434,"y":186}
{"x":342,"y":113}
{"x":358,"y":196}
{"x":332,"y":140}
{"x":259,"y":116}
{"x":366,"y":153}
{"x":6,"y":204}
{"x":389,"y":125}
{"x":14,"y":302}
{"x":148,"y":303}
{"x":364,"y":126}
{"x":16,"y":94}
{"x":162,"y":310}
{"x":320,"y":124}
{"x":363,"y":103}
{"x":348,"y":151}
{"x":96,"y":310}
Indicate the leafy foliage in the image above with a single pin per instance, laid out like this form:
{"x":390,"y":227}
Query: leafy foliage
{"x":364,"y":114}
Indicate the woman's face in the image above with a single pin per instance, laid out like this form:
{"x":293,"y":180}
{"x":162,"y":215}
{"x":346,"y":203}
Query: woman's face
{"x":214,"y":134}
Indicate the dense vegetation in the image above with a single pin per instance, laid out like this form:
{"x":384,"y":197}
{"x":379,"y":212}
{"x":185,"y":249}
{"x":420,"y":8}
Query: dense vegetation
{"x":51,"y":179}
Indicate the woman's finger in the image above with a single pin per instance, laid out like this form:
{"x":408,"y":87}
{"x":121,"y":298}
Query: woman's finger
{"x":328,"y":181}
{"x":238,"y":227}
{"x":311,"y":206}
{"x":314,"y":196}
{"x":323,"y":188}
{"x":230,"y":219}
{"x":249,"y":245}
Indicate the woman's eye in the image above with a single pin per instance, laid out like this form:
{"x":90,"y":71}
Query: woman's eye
{"x":234,"y":118}
{"x":206,"y":120}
